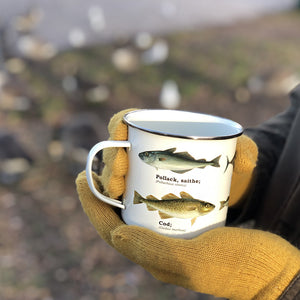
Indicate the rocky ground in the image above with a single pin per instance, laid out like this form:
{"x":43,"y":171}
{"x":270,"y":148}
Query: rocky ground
{"x":52,"y":111}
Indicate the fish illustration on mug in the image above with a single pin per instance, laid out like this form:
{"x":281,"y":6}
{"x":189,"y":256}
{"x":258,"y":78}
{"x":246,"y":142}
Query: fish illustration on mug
{"x":178,"y":162}
{"x":172,"y":206}
{"x":230,"y":162}
{"x":224,"y":203}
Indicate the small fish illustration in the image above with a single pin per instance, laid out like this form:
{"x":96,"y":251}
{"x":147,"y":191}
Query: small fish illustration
{"x":171,"y":206}
{"x":224,"y":203}
{"x":179,"y":162}
{"x":230,"y":162}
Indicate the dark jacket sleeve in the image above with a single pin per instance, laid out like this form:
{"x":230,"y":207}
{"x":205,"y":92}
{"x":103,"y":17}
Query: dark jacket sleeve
{"x":271,"y":138}
{"x":292,"y":292}
{"x":274,"y":202}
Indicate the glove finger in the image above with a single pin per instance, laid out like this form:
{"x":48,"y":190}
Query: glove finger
{"x":222,"y":261}
{"x":151,"y":250}
{"x":115,"y":160}
{"x":173,"y":260}
{"x":113,"y":174}
{"x":244,"y":165}
{"x":173,"y":255}
{"x":246,"y":155}
{"x":102,"y":216}
{"x":116,"y":128}
{"x":114,"y":186}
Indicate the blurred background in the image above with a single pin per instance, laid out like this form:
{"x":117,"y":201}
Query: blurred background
{"x":66,"y":67}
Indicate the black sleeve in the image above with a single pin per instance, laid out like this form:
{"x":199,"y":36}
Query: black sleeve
{"x":270,"y":138}
{"x":292,"y":292}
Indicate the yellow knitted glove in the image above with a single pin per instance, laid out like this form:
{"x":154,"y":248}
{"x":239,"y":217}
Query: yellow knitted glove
{"x":115,"y":159}
{"x":116,"y":163}
{"x":244,"y":164}
{"x":226,"y":262}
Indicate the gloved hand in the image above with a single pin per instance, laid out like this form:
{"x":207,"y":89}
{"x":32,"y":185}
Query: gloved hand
{"x":227,"y":262}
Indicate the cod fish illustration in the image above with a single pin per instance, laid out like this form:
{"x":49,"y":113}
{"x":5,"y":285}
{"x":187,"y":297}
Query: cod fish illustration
{"x":171,"y":206}
{"x":179,"y":162}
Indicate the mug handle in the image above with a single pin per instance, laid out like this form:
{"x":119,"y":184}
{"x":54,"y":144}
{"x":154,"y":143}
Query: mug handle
{"x":98,"y":147}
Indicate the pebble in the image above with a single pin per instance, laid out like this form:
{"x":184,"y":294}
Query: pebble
{"x":3,"y":78}
{"x":33,"y":48}
{"x":170,"y":97}
{"x":15,"y":65}
{"x":255,"y":84}
{"x":77,"y":137}
{"x":16,"y":166}
{"x":14,"y":160}
{"x":69,"y":84}
{"x":77,"y":37}
{"x":16,"y":223}
{"x":242,"y":95}
{"x":79,"y":155}
{"x":28,"y":22}
{"x":61,"y":275}
{"x":125,"y":60}
{"x":7,"y":261}
{"x":143,"y":40}
{"x":157,"y":54}
{"x":8,"y":200}
{"x":98,"y":94}
{"x":56,"y":150}
{"x":68,"y":204}
{"x":12,"y":102}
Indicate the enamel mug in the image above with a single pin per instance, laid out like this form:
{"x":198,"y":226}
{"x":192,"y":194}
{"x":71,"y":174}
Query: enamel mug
{"x":180,"y":169}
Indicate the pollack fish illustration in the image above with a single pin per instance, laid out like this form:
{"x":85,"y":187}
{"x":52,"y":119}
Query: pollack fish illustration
{"x":230,"y":162}
{"x":172,"y":206}
{"x":178,"y":162}
{"x":224,"y":203}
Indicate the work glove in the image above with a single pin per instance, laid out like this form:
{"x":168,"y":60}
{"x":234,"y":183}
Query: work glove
{"x":226,"y":262}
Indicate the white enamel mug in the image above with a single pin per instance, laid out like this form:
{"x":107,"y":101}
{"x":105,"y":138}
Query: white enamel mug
{"x":180,"y":168}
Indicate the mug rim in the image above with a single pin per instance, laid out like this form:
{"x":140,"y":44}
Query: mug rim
{"x":238,"y":128}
